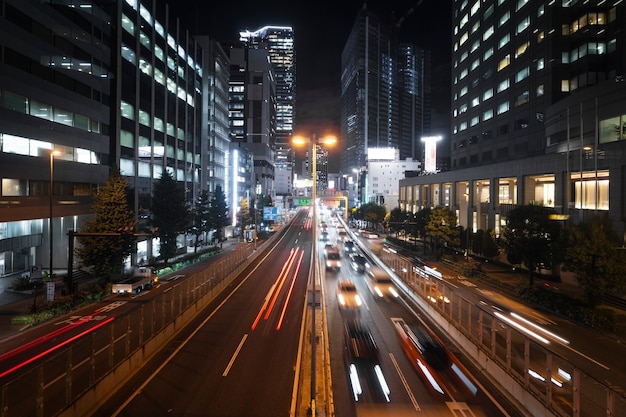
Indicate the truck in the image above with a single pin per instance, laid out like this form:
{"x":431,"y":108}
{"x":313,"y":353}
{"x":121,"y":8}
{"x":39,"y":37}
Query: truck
{"x":143,"y":278}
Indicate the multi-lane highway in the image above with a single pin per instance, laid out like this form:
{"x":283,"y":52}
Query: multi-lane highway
{"x":241,"y":354}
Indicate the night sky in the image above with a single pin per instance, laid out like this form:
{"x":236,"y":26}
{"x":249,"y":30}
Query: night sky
{"x":321,"y":29}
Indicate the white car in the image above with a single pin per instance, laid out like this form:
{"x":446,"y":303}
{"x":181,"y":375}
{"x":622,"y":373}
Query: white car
{"x":380,"y":284}
{"x":347,"y":295}
{"x":333,"y":260}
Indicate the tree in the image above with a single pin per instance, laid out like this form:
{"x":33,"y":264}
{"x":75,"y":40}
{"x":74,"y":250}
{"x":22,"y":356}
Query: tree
{"x":111,"y":214}
{"x":490,"y":247}
{"x":421,"y":220}
{"x":244,"y":217}
{"x":531,"y":237}
{"x":200,"y":219}
{"x":170,"y":213}
{"x":218,"y":213}
{"x":372,"y":213}
{"x":442,"y":229}
{"x":397,"y":219}
{"x":593,"y":253}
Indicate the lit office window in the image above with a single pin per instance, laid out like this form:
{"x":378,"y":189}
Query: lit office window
{"x":504,"y":40}
{"x":488,"y":53}
{"x":487,"y":114}
{"x":144,"y":118}
{"x":488,"y":32}
{"x":503,"y":85}
{"x":522,"y":25}
{"x":476,"y":26}
{"x":540,"y":64}
{"x":503,"y":107}
{"x":128,"y":25}
{"x":475,"y":101}
{"x":475,"y":7}
{"x":129,"y":55}
{"x":504,"y":18}
{"x":488,"y":94}
{"x":521,"y":49}
{"x":475,"y":64}
{"x":474,"y":121}
{"x":504,"y":62}
{"x":522,"y":74}
{"x":520,"y":4}
{"x":127,"y":110}
{"x":540,"y":90}
{"x":475,"y":46}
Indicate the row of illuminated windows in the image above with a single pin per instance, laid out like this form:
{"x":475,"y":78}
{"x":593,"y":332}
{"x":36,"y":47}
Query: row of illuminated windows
{"x":129,"y":26}
{"x":147,"y":170}
{"x":589,"y":192}
{"x":14,"y":187}
{"x":145,"y":67}
{"x":31,"y":147}
{"x":589,"y":48}
{"x":47,"y":111}
{"x":128,"y":111}
{"x":146,"y":150}
{"x":583,"y":21}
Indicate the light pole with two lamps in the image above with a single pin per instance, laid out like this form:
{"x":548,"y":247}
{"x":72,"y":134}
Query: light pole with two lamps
{"x":314,"y":141}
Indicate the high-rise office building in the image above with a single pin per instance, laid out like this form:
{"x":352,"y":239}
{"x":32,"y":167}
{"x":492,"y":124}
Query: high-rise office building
{"x":139,"y":99}
{"x":538,"y":98}
{"x":385,"y":92}
{"x":55,"y":82}
{"x":279,"y":42}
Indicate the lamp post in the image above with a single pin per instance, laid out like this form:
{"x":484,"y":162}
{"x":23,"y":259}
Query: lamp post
{"x":314,"y":141}
{"x":53,"y":153}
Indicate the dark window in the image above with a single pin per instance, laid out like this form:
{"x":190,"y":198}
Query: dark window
{"x":503,"y":129}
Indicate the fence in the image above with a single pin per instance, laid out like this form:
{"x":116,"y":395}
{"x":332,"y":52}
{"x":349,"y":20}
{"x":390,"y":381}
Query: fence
{"x":549,"y":381}
{"x":74,"y":380}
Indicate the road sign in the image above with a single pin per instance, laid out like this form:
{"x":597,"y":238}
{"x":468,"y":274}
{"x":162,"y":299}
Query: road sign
{"x":270,"y":213}
{"x":304,"y":201}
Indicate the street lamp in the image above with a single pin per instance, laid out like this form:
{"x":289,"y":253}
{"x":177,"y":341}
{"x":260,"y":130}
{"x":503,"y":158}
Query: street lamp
{"x":314,"y":141}
{"x":53,"y":153}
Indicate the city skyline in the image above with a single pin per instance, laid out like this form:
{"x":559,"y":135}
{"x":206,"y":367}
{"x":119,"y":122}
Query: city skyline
{"x":320,"y":36}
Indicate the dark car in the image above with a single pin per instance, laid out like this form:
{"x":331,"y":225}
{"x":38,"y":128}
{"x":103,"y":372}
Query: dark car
{"x":358,"y":262}
{"x":349,"y":246}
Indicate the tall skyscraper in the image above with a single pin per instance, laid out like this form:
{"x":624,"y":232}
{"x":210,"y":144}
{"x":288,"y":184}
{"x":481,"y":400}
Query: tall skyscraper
{"x":385,"y":92}
{"x":538,"y":98}
{"x":279,"y":42}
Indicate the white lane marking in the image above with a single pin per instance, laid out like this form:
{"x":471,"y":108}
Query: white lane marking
{"x":405,"y":383}
{"x":232,"y":360}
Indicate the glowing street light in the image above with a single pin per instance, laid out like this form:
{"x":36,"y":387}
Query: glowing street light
{"x":314,"y":141}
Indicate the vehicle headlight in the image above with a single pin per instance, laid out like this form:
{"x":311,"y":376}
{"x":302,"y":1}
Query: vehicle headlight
{"x":341,"y":299}
{"x":357,"y":298}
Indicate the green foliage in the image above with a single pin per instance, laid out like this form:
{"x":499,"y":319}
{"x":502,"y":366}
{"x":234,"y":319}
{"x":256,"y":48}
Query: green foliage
{"x":442,"y":229}
{"x":570,"y":307}
{"x":218,"y":213}
{"x":531,"y":237}
{"x":490,"y":247}
{"x":111,"y":215}
{"x":200,"y":218}
{"x":170,"y":213}
{"x":245,"y":217}
{"x":371,"y":213}
{"x":594,"y":255}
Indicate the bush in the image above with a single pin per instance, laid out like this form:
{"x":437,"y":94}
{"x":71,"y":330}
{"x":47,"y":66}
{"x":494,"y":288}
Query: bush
{"x":572,"y":308}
